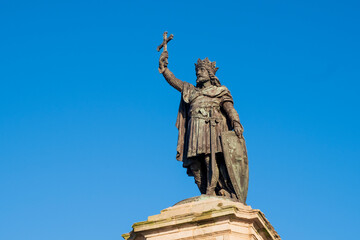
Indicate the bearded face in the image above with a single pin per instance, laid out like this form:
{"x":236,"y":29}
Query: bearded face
{"x":202,"y":75}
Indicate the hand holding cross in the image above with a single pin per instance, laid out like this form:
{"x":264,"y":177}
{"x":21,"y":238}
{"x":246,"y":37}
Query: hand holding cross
{"x":164,"y":55}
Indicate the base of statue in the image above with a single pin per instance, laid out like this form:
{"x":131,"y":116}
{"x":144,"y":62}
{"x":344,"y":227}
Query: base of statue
{"x":205,"y":217}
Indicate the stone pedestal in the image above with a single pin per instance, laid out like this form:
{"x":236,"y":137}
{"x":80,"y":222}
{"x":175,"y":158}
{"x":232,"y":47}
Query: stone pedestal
{"x":205,"y":218}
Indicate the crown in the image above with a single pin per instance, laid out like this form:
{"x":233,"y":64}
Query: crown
{"x":210,"y":66}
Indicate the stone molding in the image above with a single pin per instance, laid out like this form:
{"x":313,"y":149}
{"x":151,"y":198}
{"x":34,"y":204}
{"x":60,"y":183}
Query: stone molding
{"x":206,"y":218}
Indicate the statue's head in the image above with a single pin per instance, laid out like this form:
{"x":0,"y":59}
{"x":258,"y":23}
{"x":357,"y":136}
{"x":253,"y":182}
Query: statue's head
{"x":205,"y":71}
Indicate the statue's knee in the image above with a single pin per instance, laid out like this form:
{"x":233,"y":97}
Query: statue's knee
{"x":195,"y":166}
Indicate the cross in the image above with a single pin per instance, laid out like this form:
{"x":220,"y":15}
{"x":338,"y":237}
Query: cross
{"x":165,"y":41}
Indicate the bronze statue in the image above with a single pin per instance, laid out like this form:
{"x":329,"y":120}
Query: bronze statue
{"x":210,"y":143}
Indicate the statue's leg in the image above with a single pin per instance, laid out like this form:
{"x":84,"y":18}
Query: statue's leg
{"x":196,"y":170}
{"x":203,"y":175}
{"x":226,"y":189}
{"x":210,"y":174}
{"x":223,"y":182}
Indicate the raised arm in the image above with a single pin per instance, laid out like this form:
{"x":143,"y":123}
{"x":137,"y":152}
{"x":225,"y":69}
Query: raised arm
{"x":234,"y":118}
{"x":168,"y":75}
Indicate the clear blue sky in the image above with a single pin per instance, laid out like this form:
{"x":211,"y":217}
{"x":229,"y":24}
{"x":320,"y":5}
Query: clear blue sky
{"x":87,"y":135}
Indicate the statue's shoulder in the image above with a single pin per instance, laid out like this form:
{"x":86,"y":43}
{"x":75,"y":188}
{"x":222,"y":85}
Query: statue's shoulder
{"x":223,"y":88}
{"x":224,"y":93}
{"x":188,"y":85}
{"x":188,"y":91}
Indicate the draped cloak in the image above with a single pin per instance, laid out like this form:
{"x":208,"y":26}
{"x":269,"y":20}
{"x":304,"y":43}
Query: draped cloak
{"x":193,"y":121}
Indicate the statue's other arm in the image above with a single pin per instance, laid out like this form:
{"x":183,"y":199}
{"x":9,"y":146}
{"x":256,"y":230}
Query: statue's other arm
{"x":168,"y":75}
{"x":234,"y":118}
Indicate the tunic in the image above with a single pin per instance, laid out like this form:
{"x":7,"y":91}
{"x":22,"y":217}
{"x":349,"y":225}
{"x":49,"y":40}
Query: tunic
{"x":197,"y":108}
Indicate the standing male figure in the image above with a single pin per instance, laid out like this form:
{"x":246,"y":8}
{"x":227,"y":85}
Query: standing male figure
{"x":206,"y":111}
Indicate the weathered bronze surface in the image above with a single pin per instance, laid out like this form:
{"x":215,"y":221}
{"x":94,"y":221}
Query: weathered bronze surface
{"x":236,"y":162}
{"x":210,"y":142}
